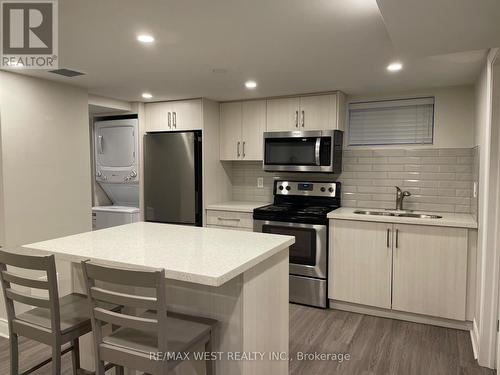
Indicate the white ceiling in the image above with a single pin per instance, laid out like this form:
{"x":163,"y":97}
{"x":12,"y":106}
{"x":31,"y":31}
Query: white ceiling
{"x":287,"y":46}
{"x":424,"y":28}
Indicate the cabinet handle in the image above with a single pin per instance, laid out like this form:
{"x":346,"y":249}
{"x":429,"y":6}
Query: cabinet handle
{"x":388,"y":235}
{"x":303,"y":118}
{"x":296,"y":119}
{"x":238,"y":148}
{"x":243,"y":148}
{"x":169,"y":120}
{"x":174,"y":119}
{"x":397,"y":238}
{"x":229,"y":218}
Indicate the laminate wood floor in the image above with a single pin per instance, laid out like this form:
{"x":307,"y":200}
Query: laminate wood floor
{"x":376,"y":346}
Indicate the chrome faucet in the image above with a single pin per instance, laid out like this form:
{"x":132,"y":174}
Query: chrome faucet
{"x":400,"y":194}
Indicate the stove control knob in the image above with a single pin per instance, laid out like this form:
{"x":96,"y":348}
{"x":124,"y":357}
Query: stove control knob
{"x":330,"y":189}
{"x":288,"y":188}
{"x":281,"y":187}
{"x":322,"y":189}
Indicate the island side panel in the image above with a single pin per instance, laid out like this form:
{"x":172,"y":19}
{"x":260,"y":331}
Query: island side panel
{"x":266,"y":314}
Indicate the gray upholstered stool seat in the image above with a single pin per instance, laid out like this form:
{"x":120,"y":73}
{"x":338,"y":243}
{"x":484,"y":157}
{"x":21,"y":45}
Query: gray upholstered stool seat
{"x":183,"y":332}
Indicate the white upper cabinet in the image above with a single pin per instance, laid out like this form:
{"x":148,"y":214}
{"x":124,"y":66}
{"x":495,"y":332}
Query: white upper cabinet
{"x":242,"y":125}
{"x":253,"y":127}
{"x":230,"y":130}
{"x":315,"y":112}
{"x":187,"y":115}
{"x":318,"y":112}
{"x":156,"y":117}
{"x":283,"y":114}
{"x":175,"y":115}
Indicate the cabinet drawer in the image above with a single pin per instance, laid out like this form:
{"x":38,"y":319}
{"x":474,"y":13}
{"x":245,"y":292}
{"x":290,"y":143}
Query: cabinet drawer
{"x":230,"y":228}
{"x":230,"y":219}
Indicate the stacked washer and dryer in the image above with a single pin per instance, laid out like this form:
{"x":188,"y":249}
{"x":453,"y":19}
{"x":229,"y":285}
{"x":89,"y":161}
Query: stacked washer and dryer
{"x":116,"y":170}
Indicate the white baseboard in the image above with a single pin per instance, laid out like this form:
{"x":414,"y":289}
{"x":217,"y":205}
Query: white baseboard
{"x":400,"y":315}
{"x":4,"y":328}
{"x":474,"y":335}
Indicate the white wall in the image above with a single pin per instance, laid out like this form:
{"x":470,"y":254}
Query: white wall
{"x":487,"y":138}
{"x":45,"y":160}
{"x":453,"y":114}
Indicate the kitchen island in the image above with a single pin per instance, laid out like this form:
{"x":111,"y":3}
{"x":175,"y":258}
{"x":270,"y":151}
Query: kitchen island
{"x":238,"y":278}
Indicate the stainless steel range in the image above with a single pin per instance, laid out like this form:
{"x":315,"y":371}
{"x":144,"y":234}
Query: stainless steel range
{"x":300,"y":209}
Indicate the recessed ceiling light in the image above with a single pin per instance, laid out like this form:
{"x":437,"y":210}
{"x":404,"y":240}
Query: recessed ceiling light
{"x":147,"y":95}
{"x":250,"y":84}
{"x":395,"y":66}
{"x":145,"y":38}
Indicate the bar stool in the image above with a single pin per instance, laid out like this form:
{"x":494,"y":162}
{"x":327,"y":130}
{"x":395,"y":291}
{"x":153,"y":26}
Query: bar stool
{"x":147,"y":341}
{"x":54,"y":321}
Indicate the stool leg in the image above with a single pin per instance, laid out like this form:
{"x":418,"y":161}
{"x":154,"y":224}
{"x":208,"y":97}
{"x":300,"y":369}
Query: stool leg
{"x":210,"y":364}
{"x":75,"y":356}
{"x":56,"y":358}
{"x":14,"y":354}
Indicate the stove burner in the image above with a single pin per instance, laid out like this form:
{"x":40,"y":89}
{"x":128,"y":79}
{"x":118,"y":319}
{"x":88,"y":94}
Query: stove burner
{"x":309,"y":209}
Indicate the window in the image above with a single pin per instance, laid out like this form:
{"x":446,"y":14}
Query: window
{"x":391,"y":122}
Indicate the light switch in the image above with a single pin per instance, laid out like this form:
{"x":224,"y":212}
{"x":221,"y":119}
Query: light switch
{"x":260,"y":182}
{"x":474,"y":192}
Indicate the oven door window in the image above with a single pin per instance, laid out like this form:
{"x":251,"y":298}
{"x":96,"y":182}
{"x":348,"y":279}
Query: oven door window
{"x":291,"y":151}
{"x":303,"y":251}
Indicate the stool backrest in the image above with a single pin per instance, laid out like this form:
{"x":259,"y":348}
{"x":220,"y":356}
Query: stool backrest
{"x":9,"y":279}
{"x":154,"y":279}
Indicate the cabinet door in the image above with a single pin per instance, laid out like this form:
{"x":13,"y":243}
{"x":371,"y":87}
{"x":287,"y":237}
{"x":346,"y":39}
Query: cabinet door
{"x":283,"y":114}
{"x":186,"y":115}
{"x":253,"y":128}
{"x":230,"y":131}
{"x":360,"y":262}
{"x":157,"y":117}
{"x":430,"y":268}
{"x":318,"y":112}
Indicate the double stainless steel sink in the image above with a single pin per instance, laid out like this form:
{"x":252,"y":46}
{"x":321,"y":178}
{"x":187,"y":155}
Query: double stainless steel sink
{"x":398,"y":214}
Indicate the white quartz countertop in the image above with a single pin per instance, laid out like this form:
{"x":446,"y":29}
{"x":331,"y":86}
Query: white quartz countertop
{"x":205,"y":256}
{"x":448,"y":219}
{"x":237,"y":206}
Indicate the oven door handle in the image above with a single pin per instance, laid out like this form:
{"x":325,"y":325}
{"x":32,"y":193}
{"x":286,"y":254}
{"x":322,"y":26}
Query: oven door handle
{"x":317,"y":149}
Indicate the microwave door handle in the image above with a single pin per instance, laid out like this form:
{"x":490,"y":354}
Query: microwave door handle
{"x":316,"y":151}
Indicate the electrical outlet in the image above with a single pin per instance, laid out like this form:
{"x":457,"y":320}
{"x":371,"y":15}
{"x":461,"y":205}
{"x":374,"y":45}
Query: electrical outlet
{"x":260,"y":182}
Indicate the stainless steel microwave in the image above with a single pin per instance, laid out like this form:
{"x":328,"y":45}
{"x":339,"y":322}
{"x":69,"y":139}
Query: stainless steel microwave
{"x":303,"y":151}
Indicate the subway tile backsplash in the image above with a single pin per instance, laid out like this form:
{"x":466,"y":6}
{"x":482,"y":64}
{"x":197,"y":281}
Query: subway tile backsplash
{"x":438,"y":179}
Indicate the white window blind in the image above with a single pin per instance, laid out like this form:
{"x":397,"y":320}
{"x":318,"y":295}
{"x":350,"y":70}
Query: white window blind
{"x":389,"y":122}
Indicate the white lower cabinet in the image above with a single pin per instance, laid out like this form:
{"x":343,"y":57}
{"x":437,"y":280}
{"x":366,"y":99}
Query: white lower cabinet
{"x":430,"y":270}
{"x":417,"y":269}
{"x":360,"y":263}
{"x":230,"y":220}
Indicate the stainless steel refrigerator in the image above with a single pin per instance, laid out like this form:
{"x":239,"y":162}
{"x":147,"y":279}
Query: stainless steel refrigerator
{"x":173,"y":177}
